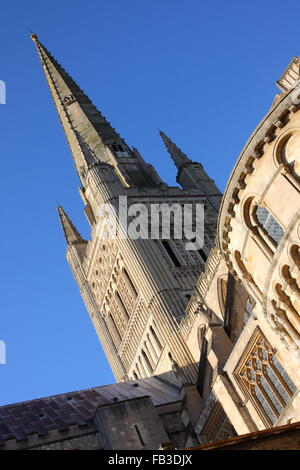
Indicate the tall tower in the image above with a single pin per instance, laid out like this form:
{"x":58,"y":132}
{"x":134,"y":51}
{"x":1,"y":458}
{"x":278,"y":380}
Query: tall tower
{"x":135,"y":290}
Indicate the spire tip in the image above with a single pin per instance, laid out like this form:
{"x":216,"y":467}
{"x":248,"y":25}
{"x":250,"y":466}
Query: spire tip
{"x":33,"y":36}
{"x":71,"y":233}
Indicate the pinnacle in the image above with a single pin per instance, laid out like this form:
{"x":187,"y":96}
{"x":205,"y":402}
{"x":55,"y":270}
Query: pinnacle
{"x":176,"y":153}
{"x":70,"y":232}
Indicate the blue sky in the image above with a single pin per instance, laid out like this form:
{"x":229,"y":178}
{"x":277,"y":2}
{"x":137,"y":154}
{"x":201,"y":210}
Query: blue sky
{"x":204,"y":72}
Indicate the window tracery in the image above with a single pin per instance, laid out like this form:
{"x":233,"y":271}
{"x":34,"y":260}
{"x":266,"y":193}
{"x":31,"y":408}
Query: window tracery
{"x":264,"y":381}
{"x":120,"y":150}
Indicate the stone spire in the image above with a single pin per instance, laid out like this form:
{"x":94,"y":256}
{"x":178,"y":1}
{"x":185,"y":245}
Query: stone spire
{"x":91,"y":137}
{"x":81,"y":120}
{"x":177,"y":155}
{"x":192,"y":174}
{"x":71,"y":233}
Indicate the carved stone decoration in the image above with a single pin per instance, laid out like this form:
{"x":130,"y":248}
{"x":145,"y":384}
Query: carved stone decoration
{"x":105,"y":267}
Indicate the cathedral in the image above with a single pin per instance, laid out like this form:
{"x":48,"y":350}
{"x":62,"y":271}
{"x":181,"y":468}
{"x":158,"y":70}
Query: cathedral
{"x":203,"y":342}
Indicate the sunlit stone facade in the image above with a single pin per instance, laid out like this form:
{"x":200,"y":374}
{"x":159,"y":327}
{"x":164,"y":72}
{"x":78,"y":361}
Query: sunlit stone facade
{"x":224,"y":318}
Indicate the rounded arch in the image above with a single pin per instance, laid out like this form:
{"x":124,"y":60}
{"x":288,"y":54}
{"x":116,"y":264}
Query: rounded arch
{"x":263,"y":224}
{"x":260,"y":222}
{"x":287,"y":152}
{"x":247,"y":208}
{"x":279,"y":146}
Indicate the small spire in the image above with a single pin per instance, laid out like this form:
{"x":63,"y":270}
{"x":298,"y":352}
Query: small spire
{"x":71,"y":233}
{"x":177,"y":155}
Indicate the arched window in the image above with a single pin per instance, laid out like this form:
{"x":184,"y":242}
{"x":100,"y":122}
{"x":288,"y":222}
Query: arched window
{"x":156,"y":339}
{"x":147,"y":362}
{"x":264,"y":227}
{"x":289,"y":154}
{"x":120,"y":150}
{"x":269,"y":224}
{"x":263,"y":379}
